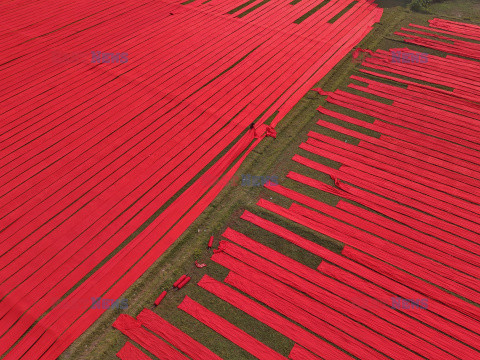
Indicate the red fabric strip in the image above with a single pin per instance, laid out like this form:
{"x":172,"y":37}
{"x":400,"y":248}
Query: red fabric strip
{"x":435,"y":314}
{"x":268,"y":317}
{"x":130,"y":352}
{"x":329,"y":298}
{"x":299,"y":353}
{"x":175,"y":336}
{"x":133,"y":329}
{"x":228,"y":330}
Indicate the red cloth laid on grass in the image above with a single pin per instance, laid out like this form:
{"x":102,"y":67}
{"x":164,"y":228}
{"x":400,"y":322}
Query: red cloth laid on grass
{"x":229,"y":331}
{"x":130,"y":352}
{"x":133,"y":329}
{"x":175,"y":336}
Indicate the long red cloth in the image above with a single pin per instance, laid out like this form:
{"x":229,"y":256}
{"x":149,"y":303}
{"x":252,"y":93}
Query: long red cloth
{"x":175,"y":336}
{"x":228,"y":330}
{"x":272,"y":319}
{"x":133,"y":329}
{"x":130,"y":352}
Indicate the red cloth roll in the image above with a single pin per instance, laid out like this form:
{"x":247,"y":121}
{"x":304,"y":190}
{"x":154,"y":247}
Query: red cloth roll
{"x":184,"y":282}
{"x":180,"y":279}
{"x":160,"y":298}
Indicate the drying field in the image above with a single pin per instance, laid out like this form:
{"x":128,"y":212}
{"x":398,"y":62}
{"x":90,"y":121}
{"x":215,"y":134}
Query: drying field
{"x":124,"y":124}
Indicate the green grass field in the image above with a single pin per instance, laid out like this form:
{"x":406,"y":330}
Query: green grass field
{"x":271,"y":157}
